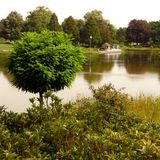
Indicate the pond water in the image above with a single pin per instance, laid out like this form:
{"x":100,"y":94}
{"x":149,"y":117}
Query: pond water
{"x":137,"y":72}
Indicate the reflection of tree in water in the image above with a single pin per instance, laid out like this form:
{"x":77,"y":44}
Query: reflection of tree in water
{"x":137,"y":68}
{"x":98,"y":67}
{"x":3,"y":68}
{"x":92,"y":78}
{"x":98,"y":64}
{"x":156,"y":62}
{"x":140,"y":63}
{"x":95,"y":66}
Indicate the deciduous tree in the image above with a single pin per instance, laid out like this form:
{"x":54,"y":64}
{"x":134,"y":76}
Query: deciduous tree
{"x":121,"y":35}
{"x":11,"y":26}
{"x":155,"y":32}
{"x":69,"y":26}
{"x":38,"y":19}
{"x":138,"y":31}
{"x":54,"y":24}
{"x":106,"y":30}
{"x":91,"y":29}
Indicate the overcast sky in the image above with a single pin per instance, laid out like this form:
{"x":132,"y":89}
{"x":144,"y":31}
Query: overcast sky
{"x":118,"y":12}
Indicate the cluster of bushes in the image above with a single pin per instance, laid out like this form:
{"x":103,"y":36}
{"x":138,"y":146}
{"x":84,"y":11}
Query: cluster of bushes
{"x":90,"y":128}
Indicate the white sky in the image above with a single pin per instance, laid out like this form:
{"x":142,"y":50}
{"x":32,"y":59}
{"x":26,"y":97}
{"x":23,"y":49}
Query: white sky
{"x":118,"y":12}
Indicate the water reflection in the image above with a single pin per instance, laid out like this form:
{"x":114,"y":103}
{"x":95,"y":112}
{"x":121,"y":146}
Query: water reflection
{"x":136,"y":71}
{"x":141,"y":63}
{"x":3,"y":69}
{"x":95,"y":67}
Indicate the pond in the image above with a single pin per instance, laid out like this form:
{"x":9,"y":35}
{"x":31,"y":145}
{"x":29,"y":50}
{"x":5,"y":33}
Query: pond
{"x":136,"y":72}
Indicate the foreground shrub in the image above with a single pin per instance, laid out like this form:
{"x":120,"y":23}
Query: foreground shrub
{"x":90,"y":128}
{"x":44,"y":61}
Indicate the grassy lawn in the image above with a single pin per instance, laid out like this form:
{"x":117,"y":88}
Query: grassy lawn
{"x":126,"y":48}
{"x":8,"y":47}
{"x":5,"y":47}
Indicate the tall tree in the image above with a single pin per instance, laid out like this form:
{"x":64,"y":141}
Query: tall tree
{"x":54,"y":24}
{"x":11,"y":26}
{"x":2,"y":28}
{"x":100,"y":22}
{"x":80,"y":25}
{"x":138,"y":31}
{"x":38,"y":19}
{"x":44,"y":61}
{"x":121,"y":35}
{"x":69,"y":26}
{"x":106,"y":30}
{"x":111,"y":35}
{"x":91,"y":29}
{"x":95,"y":14}
{"x":155,"y":32}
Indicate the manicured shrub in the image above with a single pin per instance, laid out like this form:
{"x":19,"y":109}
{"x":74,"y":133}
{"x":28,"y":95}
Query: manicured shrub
{"x":44,"y":61}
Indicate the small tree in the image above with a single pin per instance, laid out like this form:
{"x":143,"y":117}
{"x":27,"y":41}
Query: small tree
{"x":44,"y":61}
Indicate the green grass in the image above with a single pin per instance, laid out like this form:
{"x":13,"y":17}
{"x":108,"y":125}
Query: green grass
{"x":127,"y":48}
{"x":5,"y":47}
{"x":90,"y":50}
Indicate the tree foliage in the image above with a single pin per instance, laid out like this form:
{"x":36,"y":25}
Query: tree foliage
{"x":44,"y":61}
{"x":54,"y":24}
{"x":111,"y":34}
{"x":121,"y":35}
{"x":155,"y":32}
{"x":91,"y":29}
{"x":70,"y":26}
{"x":38,"y":19}
{"x":95,"y":14}
{"x":42,"y":18}
{"x":138,"y":31}
{"x":11,"y":26}
{"x":102,"y":31}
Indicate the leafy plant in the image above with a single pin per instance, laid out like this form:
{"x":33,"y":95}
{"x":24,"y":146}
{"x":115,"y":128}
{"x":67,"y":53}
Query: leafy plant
{"x":44,"y":61}
{"x":90,"y":128}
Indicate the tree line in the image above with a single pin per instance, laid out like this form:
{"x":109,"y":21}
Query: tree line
{"x":139,"y":32}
